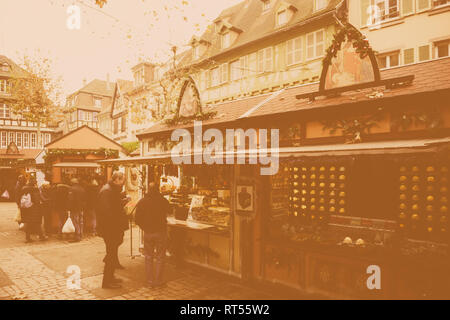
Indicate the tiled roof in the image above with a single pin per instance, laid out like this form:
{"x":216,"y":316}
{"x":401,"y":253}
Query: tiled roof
{"x":16,"y":70}
{"x":97,"y":86}
{"x":24,"y":154}
{"x":225,"y":112}
{"x":125,"y":85}
{"x":248,"y":16}
{"x":429,"y":76}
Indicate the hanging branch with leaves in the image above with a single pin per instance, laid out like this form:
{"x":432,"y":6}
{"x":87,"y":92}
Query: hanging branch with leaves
{"x":354,"y":129}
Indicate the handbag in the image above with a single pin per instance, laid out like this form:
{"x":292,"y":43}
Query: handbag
{"x":18,"y":217}
{"x":68,"y":226}
{"x":5,"y":195}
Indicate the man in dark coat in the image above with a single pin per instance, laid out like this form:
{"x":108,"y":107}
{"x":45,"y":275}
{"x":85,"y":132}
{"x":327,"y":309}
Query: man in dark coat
{"x":111,"y":224}
{"x":61,"y":205}
{"x":77,"y":204}
{"x":151,"y":216}
{"x":30,"y":202}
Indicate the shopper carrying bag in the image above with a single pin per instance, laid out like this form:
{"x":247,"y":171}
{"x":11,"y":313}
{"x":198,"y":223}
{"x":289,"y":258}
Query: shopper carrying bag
{"x":68,"y":226}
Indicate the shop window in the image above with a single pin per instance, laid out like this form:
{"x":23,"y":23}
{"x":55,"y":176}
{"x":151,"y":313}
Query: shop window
{"x":294,"y":51}
{"x":315,"y":44}
{"x":442,"y":49}
{"x":389,"y":60}
{"x":47,"y":138}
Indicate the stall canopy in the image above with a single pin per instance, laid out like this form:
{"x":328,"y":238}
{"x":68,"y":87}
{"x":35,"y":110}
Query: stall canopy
{"x":368,"y":148}
{"x":77,"y":165}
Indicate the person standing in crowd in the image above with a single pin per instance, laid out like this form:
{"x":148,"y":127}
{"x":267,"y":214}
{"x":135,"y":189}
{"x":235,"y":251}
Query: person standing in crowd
{"x":77,"y":205}
{"x":30,"y":202}
{"x":151,"y":216}
{"x":18,"y":191}
{"x":92,"y":190}
{"x":46,"y":206}
{"x":111,"y":224}
{"x":61,"y":205}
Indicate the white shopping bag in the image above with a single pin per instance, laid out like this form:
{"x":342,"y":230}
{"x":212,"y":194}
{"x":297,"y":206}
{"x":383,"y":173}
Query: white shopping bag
{"x":68,"y":226}
{"x":22,"y":226}
{"x":5,"y":194}
{"x":18,"y":217}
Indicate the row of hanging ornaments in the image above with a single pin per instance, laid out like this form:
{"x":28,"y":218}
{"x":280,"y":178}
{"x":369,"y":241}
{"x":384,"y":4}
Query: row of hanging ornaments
{"x":424,"y":198}
{"x":316,"y":192}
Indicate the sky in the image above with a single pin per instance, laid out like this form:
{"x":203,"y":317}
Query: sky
{"x":110,"y":40}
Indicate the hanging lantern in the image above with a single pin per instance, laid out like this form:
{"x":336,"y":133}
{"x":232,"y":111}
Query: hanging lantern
{"x":403,"y":178}
{"x":415,"y":197}
{"x":415,"y":179}
{"x":402,"y":215}
{"x":430,"y":169}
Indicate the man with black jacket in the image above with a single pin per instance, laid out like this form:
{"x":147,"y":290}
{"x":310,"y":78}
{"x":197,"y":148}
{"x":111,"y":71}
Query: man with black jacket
{"x":151,"y":216}
{"x":111,"y":224}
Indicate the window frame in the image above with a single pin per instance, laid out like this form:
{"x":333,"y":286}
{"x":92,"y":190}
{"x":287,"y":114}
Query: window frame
{"x":4,"y":85}
{"x":388,"y":56}
{"x":447,"y":3}
{"x":5,"y":111}
{"x":19,"y":139}
{"x":438,"y":44}
{"x":235,"y":71}
{"x":315,"y":44}
{"x":266,"y":5}
{"x":26,"y":140}
{"x":317,"y":8}
{"x":387,"y":15}
{"x":4,"y":139}
{"x":226,"y":40}
{"x":215,"y":71}
{"x":285,"y":14}
{"x":262,"y":59}
{"x":223,"y":73}
{"x":294,"y":50}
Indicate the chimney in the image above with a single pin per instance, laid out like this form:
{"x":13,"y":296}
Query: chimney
{"x":84,"y":82}
{"x":108,"y":84}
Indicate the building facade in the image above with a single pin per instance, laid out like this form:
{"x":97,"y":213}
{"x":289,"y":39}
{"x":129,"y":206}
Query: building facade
{"x":84,"y":106}
{"x":403,"y":31}
{"x":13,"y":128}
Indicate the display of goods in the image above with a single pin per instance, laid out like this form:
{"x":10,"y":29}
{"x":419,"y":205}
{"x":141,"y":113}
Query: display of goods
{"x":423,"y":194}
{"x":214,"y":216}
{"x":310,"y":193}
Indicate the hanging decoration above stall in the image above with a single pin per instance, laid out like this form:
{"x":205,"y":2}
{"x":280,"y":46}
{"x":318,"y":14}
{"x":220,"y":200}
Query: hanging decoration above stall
{"x":189,"y":107}
{"x":350,"y":64}
{"x":349,"y":60}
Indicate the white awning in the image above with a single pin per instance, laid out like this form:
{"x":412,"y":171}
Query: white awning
{"x":76,"y":165}
{"x":366,"y":148}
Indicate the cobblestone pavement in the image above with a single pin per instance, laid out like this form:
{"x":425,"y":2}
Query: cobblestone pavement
{"x":38,"y":271}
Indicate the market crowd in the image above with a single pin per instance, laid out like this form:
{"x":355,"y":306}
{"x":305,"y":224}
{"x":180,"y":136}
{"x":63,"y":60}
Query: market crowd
{"x":83,"y":206}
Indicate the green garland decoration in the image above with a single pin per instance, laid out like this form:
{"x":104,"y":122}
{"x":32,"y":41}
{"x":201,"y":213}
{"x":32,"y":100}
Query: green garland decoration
{"x":349,"y":33}
{"x":186,"y":120}
{"x":54,"y":154}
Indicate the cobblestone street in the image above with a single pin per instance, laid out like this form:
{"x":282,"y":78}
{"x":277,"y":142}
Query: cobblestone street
{"x":38,"y":271}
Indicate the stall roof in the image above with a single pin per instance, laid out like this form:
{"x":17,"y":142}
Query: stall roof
{"x":225,"y":112}
{"x":76,"y":165}
{"x":367,"y":148}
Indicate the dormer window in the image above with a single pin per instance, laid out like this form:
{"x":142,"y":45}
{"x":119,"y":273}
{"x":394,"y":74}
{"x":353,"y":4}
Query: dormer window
{"x":266,"y":5}
{"x":320,"y":4}
{"x":281,"y":18}
{"x":196,"y":52}
{"x":226,"y":40}
{"x":3,"y":85}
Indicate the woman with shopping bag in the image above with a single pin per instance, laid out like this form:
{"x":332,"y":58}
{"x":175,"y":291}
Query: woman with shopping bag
{"x":30,"y":209}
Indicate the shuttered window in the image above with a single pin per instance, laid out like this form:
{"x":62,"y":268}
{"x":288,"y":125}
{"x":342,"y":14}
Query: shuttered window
{"x":294,"y":51}
{"x":408,"y":56}
{"x":424,"y":53}
{"x":407,"y":7}
{"x":423,"y":5}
